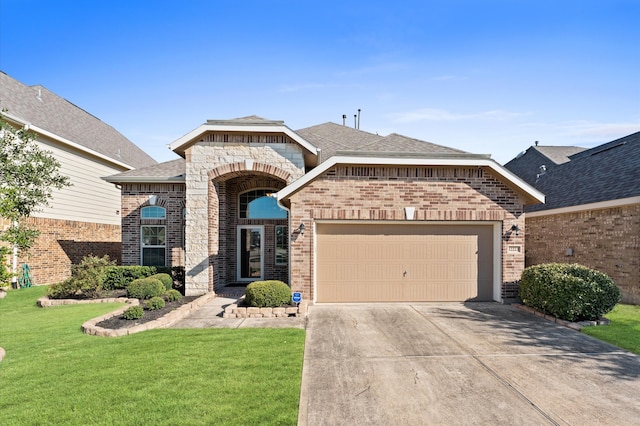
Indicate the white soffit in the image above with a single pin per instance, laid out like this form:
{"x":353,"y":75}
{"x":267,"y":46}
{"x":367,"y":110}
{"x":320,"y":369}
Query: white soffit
{"x":415,"y":161}
{"x":189,"y":137}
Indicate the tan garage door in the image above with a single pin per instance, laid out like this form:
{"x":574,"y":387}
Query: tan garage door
{"x":404,"y":263}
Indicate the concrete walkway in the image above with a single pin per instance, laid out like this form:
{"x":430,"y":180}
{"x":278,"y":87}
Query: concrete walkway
{"x":210,"y":316}
{"x":460,"y":364}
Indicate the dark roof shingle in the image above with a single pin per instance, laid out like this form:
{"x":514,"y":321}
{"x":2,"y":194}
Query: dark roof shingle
{"x":42,"y":108}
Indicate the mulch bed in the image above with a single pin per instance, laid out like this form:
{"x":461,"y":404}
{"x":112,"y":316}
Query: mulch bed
{"x":117,"y":321}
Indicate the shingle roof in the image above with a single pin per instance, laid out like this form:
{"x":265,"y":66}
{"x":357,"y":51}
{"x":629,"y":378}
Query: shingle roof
{"x":332,"y":138}
{"x":173,"y":170}
{"x":607,"y":172}
{"x":558,"y":154}
{"x":44,"y":109}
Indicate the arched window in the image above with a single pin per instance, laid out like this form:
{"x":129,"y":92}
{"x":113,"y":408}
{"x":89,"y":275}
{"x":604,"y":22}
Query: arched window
{"x":153,"y":212}
{"x":259,"y":204}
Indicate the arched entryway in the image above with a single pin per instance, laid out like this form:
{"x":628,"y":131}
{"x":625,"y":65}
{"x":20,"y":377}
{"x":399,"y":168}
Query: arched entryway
{"x":248,"y":231}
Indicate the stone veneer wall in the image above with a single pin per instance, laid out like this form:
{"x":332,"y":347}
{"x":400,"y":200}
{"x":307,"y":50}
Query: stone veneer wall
{"x":381,"y":193}
{"x":606,"y":239}
{"x":63,"y":243}
{"x":136,"y":196}
{"x":210,"y":162}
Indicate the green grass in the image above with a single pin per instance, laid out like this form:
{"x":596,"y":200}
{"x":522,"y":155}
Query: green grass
{"x":54,"y":374}
{"x":624,"y":330}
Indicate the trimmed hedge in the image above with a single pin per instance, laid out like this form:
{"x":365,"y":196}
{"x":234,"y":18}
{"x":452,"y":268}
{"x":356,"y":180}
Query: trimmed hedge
{"x":133,"y":313}
{"x":172,"y":295}
{"x":571,"y":292}
{"x":154,"y":303}
{"x":263,"y":294}
{"x":118,"y":277}
{"x":145,"y":288}
{"x":164,"y":279}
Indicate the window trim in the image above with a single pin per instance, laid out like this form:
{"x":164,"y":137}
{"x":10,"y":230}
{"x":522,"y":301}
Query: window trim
{"x":143,"y":246}
{"x":266,"y":189}
{"x":154,"y":208}
{"x":285,"y":237}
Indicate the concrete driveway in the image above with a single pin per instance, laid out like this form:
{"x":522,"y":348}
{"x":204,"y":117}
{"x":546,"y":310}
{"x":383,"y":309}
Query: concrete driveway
{"x":453,"y":364}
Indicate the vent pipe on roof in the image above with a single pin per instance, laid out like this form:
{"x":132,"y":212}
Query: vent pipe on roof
{"x":355,"y":121}
{"x":344,"y":119}
{"x":536,"y":142}
{"x":358,"y":119}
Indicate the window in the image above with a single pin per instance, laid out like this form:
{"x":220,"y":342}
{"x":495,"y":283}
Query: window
{"x":282,"y":244}
{"x":153,"y":212}
{"x":153,"y":246}
{"x":257,"y":204}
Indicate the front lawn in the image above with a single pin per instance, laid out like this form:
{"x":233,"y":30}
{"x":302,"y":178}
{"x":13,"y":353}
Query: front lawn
{"x":54,"y":374}
{"x":624,"y":330}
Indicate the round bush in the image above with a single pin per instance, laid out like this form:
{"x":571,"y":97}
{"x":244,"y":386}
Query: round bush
{"x":165,"y":279}
{"x":568,"y":291}
{"x":264,"y":294}
{"x":154,"y":303}
{"x":134,"y":312}
{"x":145,"y":288}
{"x":172,"y":295}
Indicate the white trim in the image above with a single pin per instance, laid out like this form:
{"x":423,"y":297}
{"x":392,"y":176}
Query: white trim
{"x":401,"y":161}
{"x":74,"y":145}
{"x":583,"y":207}
{"x":145,"y":179}
{"x":497,"y":244}
{"x":238,"y":257}
{"x":143,"y":246}
{"x":257,"y":128}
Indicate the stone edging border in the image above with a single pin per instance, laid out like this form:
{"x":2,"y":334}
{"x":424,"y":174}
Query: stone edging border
{"x":90,"y":327}
{"x":233,"y":311}
{"x":572,"y":325}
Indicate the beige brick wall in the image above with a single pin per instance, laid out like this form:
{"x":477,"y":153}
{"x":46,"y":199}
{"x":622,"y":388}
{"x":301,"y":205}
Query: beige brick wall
{"x":606,"y":239}
{"x":63,"y":243}
{"x":381,"y":193}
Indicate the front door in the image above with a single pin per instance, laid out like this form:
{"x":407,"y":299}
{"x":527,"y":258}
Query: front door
{"x":250,"y":253}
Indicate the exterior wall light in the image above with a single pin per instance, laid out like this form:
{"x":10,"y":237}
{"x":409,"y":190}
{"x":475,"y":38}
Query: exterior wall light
{"x":516,"y":229}
{"x":301,"y":229}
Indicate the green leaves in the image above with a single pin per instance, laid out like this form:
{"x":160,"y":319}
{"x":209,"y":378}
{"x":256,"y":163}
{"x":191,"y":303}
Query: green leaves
{"x":28,"y":177}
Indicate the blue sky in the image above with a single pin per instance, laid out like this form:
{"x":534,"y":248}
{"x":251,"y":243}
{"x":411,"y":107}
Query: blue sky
{"x":483,"y":76}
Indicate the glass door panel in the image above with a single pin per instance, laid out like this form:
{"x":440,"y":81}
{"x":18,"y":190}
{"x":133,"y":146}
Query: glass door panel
{"x":250,"y":253}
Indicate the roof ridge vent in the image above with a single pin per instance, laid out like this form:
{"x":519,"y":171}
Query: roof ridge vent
{"x":608,"y":148}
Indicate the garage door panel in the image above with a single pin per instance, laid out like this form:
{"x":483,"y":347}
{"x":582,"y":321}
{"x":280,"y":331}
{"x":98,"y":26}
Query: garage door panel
{"x":367,"y":263}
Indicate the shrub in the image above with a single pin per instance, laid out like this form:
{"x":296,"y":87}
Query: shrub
{"x":145,"y":288}
{"x":164,"y":279}
{"x":86,"y":280}
{"x":154,"y":303}
{"x":5,"y":273}
{"x":172,"y":295}
{"x":134,"y":312}
{"x":568,"y":291}
{"x":267,"y":294}
{"x":118,"y":277}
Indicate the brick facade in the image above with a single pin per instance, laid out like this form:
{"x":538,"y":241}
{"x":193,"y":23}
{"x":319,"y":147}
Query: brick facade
{"x":380,"y":193}
{"x":137,"y":196}
{"x":63,"y":243}
{"x":607,"y":239}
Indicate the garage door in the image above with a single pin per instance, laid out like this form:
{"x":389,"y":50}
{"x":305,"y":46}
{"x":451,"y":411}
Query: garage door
{"x":404,"y":263}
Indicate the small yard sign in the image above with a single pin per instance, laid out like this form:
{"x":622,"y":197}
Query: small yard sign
{"x":296,"y":297}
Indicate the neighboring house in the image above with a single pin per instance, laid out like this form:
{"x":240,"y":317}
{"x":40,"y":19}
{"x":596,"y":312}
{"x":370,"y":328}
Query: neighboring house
{"x":84,"y":218}
{"x":592,"y":210}
{"x":340,"y":214}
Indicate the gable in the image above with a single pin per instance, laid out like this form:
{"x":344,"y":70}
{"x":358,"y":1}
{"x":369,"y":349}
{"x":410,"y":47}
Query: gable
{"x":529,"y":194}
